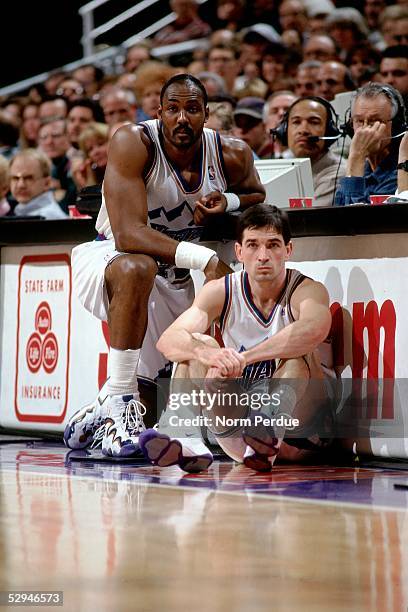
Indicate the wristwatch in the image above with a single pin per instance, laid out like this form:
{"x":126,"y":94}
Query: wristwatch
{"x":403,"y":165}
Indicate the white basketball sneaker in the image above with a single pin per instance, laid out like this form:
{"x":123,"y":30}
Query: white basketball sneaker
{"x":82,"y":427}
{"x":123,"y":426}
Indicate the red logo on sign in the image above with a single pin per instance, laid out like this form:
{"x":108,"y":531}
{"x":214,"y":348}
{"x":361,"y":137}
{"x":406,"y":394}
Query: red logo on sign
{"x":42,"y":345}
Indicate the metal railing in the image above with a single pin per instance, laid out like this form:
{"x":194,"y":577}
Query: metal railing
{"x":90,"y":33}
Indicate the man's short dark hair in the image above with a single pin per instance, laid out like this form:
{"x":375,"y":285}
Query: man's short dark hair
{"x":95,"y":107}
{"x":184,"y":79}
{"x":395,"y":52}
{"x":264,"y":215}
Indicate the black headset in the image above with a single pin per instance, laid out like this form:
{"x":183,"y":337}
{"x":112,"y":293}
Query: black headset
{"x":399,"y":122}
{"x":281,"y":131}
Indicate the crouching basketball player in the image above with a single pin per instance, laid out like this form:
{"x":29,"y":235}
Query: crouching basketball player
{"x":165,"y":178}
{"x":272,"y":321}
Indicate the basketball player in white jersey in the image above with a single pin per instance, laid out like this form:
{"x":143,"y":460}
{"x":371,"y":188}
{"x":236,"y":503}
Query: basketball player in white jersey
{"x":164,"y":179}
{"x":272,"y":321}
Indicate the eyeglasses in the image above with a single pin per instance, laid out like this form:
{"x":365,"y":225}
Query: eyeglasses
{"x":63,"y":91}
{"x":53,"y":136}
{"x":358,"y":123}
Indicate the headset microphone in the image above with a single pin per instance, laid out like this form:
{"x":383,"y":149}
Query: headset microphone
{"x":317,"y":138}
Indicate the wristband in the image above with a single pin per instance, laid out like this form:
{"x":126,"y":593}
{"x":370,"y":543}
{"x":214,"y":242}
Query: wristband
{"x":192,"y":256}
{"x":233,"y":202}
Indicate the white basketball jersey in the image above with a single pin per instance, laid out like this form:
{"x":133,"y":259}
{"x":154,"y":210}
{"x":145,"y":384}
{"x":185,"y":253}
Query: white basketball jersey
{"x":244,"y":326}
{"x":170,"y":200}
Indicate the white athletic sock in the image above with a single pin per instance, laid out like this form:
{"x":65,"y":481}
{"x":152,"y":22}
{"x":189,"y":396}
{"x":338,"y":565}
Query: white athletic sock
{"x":123,"y":372}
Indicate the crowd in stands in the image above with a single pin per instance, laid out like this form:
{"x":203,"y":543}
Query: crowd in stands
{"x":270,"y":68}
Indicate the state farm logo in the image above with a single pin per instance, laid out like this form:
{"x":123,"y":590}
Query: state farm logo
{"x":42,"y":345}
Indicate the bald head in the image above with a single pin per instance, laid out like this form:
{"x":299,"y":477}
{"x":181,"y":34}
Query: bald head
{"x":333,"y":78}
{"x":321,"y":48}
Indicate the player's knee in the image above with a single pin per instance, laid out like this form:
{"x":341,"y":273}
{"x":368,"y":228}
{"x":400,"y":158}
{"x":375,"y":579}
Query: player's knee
{"x":295,"y":367}
{"x":137,"y":271}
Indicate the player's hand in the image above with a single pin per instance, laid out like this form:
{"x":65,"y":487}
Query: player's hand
{"x":216,"y":268}
{"x":207,"y":206}
{"x":222,"y":362}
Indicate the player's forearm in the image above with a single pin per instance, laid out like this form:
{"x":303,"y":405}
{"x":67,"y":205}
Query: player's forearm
{"x":178,"y":345}
{"x":297,"y":339}
{"x":147,"y":241}
{"x":249,"y":199}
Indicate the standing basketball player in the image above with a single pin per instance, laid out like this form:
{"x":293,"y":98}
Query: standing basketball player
{"x":272,"y":320}
{"x":163,"y":180}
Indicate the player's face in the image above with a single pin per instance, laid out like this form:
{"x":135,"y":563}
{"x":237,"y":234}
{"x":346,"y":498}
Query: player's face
{"x":264,"y":254}
{"x":183,"y":115}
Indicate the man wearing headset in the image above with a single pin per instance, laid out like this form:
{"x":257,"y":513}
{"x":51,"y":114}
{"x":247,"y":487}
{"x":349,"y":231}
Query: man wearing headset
{"x":377,"y":120}
{"x":304,"y":128}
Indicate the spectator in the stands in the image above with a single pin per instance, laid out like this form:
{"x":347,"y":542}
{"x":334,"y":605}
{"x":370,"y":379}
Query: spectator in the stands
{"x":214,"y":83}
{"x":54,"y":142}
{"x":293,"y":16}
{"x":118,"y":105}
{"x":333,"y":78}
{"x":320,"y":48}
{"x":70,"y":89}
{"x":394,"y":25}
{"x":306,"y":120}
{"x":274,"y":110}
{"x":53,"y":107}
{"x":151,"y":77}
{"x":53,"y":81}
{"x":276,"y":107}
{"x":81,"y":113}
{"x":305,"y":78}
{"x":362,"y":59}
{"x":372,"y":12}
{"x":30,"y":184}
{"x":250,"y":127}
{"x":348,"y":28}
{"x":127,"y":81}
{"x":30,"y":125}
{"x":231,"y":14}
{"x":5,"y":207}
{"x":93,"y":142}
{"x":9,"y":134}
{"x":90,"y":77}
{"x":187,"y":25}
{"x":254,"y":41}
{"x":377,"y":114}
{"x":136,"y":55}
{"x":317,"y":13}
{"x":394,"y":68}
{"x":224,"y":61}
{"x":13,"y":107}
{"x":220,"y":118}
{"x":37,"y":93}
{"x":278,"y":61}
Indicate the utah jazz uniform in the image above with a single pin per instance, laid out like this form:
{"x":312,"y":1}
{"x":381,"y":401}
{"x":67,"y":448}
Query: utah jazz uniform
{"x":171,"y":205}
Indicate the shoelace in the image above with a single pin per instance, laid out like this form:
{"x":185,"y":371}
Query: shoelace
{"x":98,"y":435}
{"x":133,"y":417}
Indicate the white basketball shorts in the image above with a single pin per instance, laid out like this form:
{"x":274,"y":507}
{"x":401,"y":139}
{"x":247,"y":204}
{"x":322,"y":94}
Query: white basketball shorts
{"x":167,"y":300}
